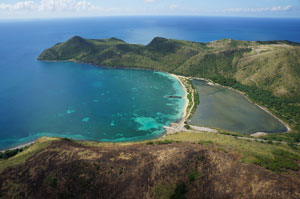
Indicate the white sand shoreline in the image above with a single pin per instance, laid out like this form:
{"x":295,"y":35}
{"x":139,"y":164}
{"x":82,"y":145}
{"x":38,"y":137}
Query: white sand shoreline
{"x":20,"y":146}
{"x":178,"y":126}
{"x":185,"y":96}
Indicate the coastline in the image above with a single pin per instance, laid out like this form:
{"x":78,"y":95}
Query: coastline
{"x":19,"y":146}
{"x":266,"y":110}
{"x":185,"y":95}
{"x":178,"y":126}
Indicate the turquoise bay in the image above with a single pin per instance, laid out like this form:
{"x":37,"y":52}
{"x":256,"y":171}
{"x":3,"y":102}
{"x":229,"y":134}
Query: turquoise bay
{"x":87,"y":102}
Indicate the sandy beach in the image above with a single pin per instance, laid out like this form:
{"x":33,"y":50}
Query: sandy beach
{"x":179,"y":126}
{"x":185,"y":96}
{"x":20,"y":146}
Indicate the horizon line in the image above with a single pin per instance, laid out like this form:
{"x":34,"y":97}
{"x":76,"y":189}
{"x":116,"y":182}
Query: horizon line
{"x":108,"y":16}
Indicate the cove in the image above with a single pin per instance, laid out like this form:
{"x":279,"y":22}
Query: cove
{"x":227,"y":109}
{"x":86,"y":102}
{"x":40,"y":99}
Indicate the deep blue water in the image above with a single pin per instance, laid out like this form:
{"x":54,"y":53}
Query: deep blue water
{"x":85,"y":102}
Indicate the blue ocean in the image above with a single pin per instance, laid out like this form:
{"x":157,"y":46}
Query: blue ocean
{"x":95,"y":103}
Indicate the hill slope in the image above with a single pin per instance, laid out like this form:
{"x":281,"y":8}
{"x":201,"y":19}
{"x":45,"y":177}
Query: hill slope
{"x":272,"y":66}
{"x":185,"y":165}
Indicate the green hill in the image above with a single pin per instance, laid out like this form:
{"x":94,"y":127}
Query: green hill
{"x":267,"y":71}
{"x":273,"y":65}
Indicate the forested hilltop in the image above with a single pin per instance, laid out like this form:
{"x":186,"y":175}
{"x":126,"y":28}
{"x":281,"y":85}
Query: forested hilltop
{"x":267,"y":71}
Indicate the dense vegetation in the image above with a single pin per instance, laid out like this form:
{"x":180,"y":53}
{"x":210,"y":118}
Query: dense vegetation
{"x":281,"y":161}
{"x":267,"y":71}
{"x":195,"y":99}
{"x":10,"y":153}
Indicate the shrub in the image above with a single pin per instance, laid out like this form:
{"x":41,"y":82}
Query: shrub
{"x":282,"y":161}
{"x":193,"y":175}
{"x":187,"y":126}
{"x":51,"y":181}
{"x":205,"y":143}
{"x":9,"y":153}
{"x":120,"y":171}
{"x":180,"y":191}
{"x":149,"y":142}
{"x":231,"y":134}
{"x":270,"y":142}
{"x":164,"y":142}
{"x":163,"y":191}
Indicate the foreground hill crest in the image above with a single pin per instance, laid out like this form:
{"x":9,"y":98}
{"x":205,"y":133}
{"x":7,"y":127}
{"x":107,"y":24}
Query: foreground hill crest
{"x":171,"y":167}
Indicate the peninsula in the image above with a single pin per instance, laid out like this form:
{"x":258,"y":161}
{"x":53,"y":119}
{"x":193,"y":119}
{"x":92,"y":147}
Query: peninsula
{"x":267,"y":72}
{"x":187,"y":164}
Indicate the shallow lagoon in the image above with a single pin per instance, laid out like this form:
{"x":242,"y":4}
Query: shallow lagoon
{"x":227,"y":109}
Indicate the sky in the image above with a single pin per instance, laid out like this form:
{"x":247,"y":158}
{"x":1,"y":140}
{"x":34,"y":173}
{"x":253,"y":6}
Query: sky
{"x":24,"y":9}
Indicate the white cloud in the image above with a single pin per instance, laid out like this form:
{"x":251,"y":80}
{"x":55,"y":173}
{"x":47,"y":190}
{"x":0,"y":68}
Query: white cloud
{"x":270,"y":9}
{"x":149,"y":1}
{"x":78,"y":8}
{"x":278,"y":8}
{"x":173,"y":7}
{"x":64,"y":5}
{"x":48,"y":5}
{"x":25,"y":5}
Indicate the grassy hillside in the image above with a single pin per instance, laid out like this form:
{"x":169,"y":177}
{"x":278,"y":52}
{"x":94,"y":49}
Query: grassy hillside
{"x":183,"y":165}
